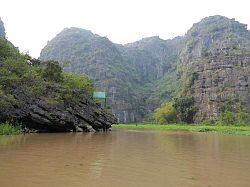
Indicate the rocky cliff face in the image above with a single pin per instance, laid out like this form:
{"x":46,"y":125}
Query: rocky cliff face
{"x":2,"y":29}
{"x":210,"y":63}
{"x":222,"y":83}
{"x":39,"y":115}
{"x":218,"y":51}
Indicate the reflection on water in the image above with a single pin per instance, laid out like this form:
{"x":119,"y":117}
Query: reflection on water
{"x":8,"y":140}
{"x":125,"y":157}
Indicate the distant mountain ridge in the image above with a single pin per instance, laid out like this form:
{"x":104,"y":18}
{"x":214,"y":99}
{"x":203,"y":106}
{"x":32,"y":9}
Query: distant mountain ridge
{"x":140,"y":76}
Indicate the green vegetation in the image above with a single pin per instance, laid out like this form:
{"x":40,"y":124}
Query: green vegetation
{"x":7,"y":128}
{"x":52,"y":71}
{"x":185,"y":108}
{"x":165,"y":88}
{"x":238,"y":130}
{"x":166,"y":114}
{"x":181,"y":110}
{"x":232,"y":118}
{"x":73,"y":81}
{"x":7,"y":50}
{"x":36,"y":76}
{"x":233,"y":113}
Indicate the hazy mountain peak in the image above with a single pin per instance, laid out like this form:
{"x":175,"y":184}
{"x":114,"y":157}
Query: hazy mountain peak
{"x":145,"y":41}
{"x":75,"y":32}
{"x":217,"y":23}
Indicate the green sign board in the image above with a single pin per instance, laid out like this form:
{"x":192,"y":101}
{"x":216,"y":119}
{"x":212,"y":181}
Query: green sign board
{"x":99,"y":95}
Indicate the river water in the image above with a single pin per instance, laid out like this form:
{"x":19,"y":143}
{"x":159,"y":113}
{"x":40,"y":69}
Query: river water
{"x":125,"y":157}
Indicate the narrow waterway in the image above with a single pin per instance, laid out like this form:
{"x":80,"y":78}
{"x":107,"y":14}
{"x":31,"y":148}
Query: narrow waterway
{"x":125,"y":157}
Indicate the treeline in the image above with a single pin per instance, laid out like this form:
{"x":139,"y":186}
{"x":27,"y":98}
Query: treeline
{"x":183,"y":110}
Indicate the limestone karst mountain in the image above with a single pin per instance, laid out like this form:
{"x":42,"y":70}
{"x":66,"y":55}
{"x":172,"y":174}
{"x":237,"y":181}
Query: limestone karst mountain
{"x":211,"y":63}
{"x":217,"y":50}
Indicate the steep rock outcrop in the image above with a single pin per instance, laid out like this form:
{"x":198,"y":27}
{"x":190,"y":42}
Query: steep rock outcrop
{"x":222,"y":83}
{"x":2,"y":29}
{"x":36,"y":114}
{"x":217,"y":52}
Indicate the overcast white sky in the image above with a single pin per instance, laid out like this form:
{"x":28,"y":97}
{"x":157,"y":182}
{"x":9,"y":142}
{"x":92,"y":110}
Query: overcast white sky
{"x":30,"y":24}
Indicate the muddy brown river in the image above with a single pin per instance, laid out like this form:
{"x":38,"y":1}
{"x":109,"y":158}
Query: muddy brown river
{"x":125,"y":158}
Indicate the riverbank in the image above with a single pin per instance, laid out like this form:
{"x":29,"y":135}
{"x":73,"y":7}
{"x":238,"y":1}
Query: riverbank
{"x":239,"y":130}
{"x":8,"y":129}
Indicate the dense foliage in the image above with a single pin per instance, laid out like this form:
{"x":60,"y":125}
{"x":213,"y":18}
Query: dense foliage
{"x":166,"y":114}
{"x":80,"y":82}
{"x":186,"y":109}
{"x":37,"y":80}
{"x":52,"y":72}
{"x":182,"y":109}
{"x":7,"y":50}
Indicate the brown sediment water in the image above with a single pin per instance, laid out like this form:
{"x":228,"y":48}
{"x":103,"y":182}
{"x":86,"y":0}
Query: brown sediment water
{"x":125,"y":157}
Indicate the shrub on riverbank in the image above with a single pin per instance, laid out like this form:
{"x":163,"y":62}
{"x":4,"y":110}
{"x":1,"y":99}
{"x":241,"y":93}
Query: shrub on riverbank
{"x":179,"y":110}
{"x":9,"y":129}
{"x":166,"y":114}
{"x":231,"y":118}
